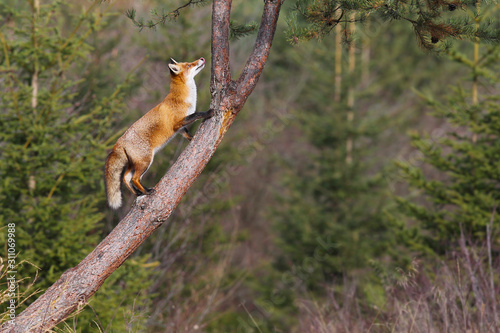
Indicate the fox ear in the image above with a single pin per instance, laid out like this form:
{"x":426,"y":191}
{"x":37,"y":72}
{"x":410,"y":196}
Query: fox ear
{"x":172,"y":61}
{"x":174,"y":68}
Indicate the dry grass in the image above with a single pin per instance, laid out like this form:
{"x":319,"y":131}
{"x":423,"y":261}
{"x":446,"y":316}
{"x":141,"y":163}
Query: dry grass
{"x":21,"y":296}
{"x":460,"y":294}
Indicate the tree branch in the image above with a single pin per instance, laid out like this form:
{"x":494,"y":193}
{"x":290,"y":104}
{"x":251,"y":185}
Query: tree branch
{"x":221,"y":71}
{"x":75,"y":287}
{"x":257,"y":59}
{"x":161,"y":18}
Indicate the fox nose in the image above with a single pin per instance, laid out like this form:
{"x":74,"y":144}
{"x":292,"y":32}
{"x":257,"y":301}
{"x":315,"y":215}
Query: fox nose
{"x":202,"y":59}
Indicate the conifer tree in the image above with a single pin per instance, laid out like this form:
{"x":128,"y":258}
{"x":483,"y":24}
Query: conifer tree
{"x":54,"y":134}
{"x":332,"y":205}
{"x":331,"y":220}
{"x":461,"y":178}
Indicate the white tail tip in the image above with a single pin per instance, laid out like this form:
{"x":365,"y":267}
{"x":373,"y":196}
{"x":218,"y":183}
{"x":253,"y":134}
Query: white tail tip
{"x":115,"y":201}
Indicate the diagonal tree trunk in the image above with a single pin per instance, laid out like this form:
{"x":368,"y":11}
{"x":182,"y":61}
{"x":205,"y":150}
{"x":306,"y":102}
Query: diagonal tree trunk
{"x":78,"y":284}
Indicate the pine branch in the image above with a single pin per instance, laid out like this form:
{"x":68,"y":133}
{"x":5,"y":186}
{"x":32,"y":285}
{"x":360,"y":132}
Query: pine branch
{"x":429,"y":19}
{"x":237,"y":31}
{"x":162,"y":18}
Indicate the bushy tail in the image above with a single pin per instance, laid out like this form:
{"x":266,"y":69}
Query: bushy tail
{"x":115,"y":163}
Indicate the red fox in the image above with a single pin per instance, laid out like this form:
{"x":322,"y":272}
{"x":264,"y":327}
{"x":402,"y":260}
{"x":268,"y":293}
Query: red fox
{"x":134,"y":151}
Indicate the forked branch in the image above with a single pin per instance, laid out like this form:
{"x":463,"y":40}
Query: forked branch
{"x":75,"y":287}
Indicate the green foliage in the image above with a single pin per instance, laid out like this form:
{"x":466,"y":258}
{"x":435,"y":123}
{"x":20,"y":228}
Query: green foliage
{"x":55,"y":128}
{"x":461,"y":186}
{"x":460,"y":180}
{"x":330,"y":219}
{"x":432,"y":21}
{"x":237,"y":31}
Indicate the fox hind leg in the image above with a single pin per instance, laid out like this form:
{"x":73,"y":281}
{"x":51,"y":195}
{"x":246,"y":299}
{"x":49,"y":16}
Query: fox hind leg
{"x":140,"y":169}
{"x":127,"y":178}
{"x":136,"y":168}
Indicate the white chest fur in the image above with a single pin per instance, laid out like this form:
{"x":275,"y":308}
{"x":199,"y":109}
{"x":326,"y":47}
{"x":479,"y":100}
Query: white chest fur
{"x":191,"y":98}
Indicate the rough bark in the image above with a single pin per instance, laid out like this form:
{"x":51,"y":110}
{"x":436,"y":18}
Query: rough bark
{"x":78,"y":284}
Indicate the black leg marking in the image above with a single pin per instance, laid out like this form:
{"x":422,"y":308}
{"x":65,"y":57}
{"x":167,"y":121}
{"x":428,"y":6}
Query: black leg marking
{"x":197,"y":115}
{"x":137,"y":191}
{"x":185,"y":133}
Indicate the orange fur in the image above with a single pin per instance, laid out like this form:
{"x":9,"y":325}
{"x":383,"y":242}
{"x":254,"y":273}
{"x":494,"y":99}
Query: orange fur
{"x":135,"y":149}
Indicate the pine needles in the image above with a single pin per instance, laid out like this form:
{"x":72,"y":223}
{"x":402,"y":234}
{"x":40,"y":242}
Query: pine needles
{"x":433,"y":21}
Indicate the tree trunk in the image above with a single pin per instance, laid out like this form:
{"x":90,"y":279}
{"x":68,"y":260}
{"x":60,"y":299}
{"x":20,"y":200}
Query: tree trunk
{"x":350,"y":89}
{"x":476,"y":62}
{"x":74,"y":288}
{"x":338,"y":63}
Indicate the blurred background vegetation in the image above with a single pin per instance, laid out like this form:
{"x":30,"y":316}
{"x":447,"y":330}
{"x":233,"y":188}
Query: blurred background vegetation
{"x":357,"y":191}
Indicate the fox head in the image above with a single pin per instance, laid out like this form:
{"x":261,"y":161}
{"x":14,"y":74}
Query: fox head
{"x":186,"y":69}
